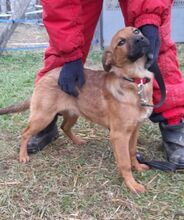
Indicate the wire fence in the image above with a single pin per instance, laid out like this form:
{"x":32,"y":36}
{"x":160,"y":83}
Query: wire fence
{"x":30,"y":33}
{"x":8,"y":7}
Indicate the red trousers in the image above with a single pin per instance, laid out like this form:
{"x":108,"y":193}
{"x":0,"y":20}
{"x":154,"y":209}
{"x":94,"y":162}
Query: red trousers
{"x":71,"y":25}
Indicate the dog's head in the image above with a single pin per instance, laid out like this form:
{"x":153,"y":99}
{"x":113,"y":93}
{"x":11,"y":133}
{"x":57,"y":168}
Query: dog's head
{"x":127,"y":46}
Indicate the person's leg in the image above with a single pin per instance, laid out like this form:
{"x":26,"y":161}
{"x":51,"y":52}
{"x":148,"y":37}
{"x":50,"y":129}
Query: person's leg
{"x":90,"y":13}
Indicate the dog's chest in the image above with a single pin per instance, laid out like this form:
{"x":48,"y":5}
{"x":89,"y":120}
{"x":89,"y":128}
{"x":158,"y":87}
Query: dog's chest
{"x":145,"y":113}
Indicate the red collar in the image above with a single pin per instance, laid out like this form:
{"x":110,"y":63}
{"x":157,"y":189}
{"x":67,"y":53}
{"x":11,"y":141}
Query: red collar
{"x":137,"y":80}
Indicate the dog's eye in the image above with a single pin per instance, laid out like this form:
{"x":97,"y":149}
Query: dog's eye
{"x":136,"y":31}
{"x":121,"y":42}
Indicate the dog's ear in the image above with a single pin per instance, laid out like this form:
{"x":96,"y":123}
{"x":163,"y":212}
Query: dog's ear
{"x":107,"y":59}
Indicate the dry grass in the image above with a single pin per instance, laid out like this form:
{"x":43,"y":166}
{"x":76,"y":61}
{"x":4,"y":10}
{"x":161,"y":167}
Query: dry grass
{"x":70,"y":182}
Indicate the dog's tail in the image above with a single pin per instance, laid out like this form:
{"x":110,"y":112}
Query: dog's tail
{"x":20,"y":107}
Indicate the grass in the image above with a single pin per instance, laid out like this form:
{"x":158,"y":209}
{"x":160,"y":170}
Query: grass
{"x":70,"y":182}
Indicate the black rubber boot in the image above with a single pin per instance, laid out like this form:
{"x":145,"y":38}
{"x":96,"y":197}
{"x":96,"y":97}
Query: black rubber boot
{"x":173,"y":143}
{"x":43,"y":138}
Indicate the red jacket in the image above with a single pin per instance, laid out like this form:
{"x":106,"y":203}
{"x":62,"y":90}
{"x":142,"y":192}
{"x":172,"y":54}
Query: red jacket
{"x":71,"y":24}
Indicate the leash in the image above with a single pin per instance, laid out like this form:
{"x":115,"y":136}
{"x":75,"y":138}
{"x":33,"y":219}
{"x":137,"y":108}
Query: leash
{"x":158,"y":76}
{"x":160,"y":165}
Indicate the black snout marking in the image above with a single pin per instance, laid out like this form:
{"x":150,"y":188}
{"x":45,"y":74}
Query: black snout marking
{"x":138,"y":46}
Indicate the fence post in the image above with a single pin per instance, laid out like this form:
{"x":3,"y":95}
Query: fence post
{"x":20,"y":9}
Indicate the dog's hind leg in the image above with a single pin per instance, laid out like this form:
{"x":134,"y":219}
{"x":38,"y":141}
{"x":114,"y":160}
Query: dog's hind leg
{"x":132,"y":148}
{"x":68,"y":122}
{"x":37,"y":122}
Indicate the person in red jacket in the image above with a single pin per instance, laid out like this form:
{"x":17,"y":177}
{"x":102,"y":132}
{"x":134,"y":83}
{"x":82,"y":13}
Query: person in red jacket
{"x":71,"y":25}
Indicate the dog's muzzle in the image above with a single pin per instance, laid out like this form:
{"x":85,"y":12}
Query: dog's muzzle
{"x":138,"y":47}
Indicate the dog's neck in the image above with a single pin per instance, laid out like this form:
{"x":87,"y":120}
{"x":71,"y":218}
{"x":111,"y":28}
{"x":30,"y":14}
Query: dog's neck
{"x":132,"y":69}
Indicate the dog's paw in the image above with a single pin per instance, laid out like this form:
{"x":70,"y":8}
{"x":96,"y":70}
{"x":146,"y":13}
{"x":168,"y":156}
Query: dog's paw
{"x":135,"y":187}
{"x":81,"y":142}
{"x":23,"y":158}
{"x":78,"y":141}
{"x":141,"y":167}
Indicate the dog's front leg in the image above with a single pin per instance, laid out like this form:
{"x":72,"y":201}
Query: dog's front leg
{"x":133,"y":148}
{"x":120,"y":142}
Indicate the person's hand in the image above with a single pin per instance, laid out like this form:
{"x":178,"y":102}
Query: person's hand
{"x":71,"y":76}
{"x":151,"y":32}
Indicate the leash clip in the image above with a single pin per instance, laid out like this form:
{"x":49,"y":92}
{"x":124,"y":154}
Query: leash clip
{"x":141,"y":94}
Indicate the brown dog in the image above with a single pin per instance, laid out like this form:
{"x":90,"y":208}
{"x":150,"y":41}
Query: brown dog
{"x":111,"y":98}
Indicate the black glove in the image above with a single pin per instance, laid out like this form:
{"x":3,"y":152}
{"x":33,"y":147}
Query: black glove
{"x":152,"y":33}
{"x":71,"y":75}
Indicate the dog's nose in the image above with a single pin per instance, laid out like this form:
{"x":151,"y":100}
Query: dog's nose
{"x":139,"y":39}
